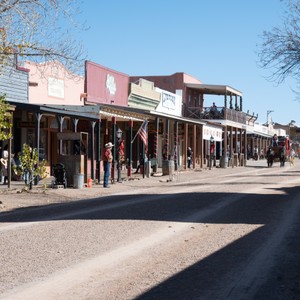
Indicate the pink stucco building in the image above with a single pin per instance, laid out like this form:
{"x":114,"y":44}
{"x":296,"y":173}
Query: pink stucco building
{"x":52,"y":83}
{"x":105,"y":86}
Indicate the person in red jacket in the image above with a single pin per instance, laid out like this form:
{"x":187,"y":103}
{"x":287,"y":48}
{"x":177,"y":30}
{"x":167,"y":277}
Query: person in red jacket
{"x":107,"y":159}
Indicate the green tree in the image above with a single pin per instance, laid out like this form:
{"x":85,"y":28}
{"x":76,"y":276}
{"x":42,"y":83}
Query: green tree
{"x":31,"y":168}
{"x":5,"y":119}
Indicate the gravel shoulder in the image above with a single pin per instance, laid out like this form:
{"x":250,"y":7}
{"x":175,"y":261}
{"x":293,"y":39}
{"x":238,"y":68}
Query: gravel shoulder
{"x":42,"y":194}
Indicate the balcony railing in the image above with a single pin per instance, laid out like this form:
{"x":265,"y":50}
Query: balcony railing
{"x":217,"y":113}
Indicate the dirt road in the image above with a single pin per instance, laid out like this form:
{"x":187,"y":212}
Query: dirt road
{"x":225,"y":234}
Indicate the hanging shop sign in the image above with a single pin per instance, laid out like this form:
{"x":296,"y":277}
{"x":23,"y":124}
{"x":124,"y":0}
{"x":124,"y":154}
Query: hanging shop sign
{"x":211,"y":131}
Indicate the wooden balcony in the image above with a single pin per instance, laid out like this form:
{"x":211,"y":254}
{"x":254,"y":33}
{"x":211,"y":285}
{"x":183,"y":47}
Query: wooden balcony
{"x":218,"y":113}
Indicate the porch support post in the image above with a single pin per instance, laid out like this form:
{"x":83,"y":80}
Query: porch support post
{"x":129,"y":167}
{"x":231,"y":147}
{"x":201,"y":145}
{"x":60,"y":120}
{"x":175,"y":145}
{"x":98,"y":150}
{"x":9,"y":157}
{"x":241,"y":103}
{"x":166,"y":146}
{"x":235,"y":139}
{"x":194,"y":145}
{"x":186,"y":138}
{"x":225,"y":143}
{"x":75,"y":124}
{"x":38,"y":117}
{"x":114,"y":122}
{"x":92,"y":151}
{"x":156,"y":144}
{"x":245,"y":147}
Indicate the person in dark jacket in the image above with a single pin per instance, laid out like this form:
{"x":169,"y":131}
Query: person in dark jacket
{"x":189,"y":157}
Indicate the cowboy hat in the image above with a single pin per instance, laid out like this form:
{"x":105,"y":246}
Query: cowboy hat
{"x":109,"y":145}
{"x":4,"y":162}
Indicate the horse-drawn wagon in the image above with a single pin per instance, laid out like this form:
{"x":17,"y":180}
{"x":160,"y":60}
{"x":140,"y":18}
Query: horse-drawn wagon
{"x":275,"y":154}
{"x":279,"y":151}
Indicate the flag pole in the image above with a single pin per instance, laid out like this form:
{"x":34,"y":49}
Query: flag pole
{"x":138,"y":132}
{"x":135,"y":135}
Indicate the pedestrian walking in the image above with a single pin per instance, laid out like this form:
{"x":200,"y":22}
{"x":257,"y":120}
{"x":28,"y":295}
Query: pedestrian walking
{"x":292,"y":157}
{"x":107,"y":159}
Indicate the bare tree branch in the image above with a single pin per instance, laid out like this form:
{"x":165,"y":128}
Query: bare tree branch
{"x":40,"y":29}
{"x":280,"y":50}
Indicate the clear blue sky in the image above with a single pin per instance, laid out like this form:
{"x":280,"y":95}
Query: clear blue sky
{"x":215,"y":41}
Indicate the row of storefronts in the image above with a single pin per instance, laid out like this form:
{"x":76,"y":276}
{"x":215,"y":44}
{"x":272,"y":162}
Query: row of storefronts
{"x":69,"y":118}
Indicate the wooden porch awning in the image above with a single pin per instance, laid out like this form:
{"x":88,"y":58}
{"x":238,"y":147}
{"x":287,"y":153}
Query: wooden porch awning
{"x":84,"y":112}
{"x":122,"y":113}
{"x":213,"y":89}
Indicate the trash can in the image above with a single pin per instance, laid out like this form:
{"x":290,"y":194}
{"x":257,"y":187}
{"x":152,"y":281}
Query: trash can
{"x":168,"y":167}
{"x":78,"y":181}
{"x":224,"y":161}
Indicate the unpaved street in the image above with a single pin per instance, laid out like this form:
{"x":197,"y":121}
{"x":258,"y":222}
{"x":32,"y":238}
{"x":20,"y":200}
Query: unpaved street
{"x":224,"y":234}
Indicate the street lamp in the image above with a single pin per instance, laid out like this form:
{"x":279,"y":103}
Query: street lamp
{"x":119,"y":137}
{"x":211,"y":150}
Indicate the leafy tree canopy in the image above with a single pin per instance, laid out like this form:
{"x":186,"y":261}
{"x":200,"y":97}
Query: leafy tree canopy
{"x":5,"y":119}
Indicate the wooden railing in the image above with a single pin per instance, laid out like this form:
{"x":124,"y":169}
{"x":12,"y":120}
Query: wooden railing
{"x":217,"y":113}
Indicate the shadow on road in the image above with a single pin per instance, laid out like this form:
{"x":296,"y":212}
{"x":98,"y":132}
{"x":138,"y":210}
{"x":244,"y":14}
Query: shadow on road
{"x":209,"y":274}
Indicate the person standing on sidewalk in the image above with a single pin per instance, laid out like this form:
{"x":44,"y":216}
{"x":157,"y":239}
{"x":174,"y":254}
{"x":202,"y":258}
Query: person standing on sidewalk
{"x":189,"y":157}
{"x":4,"y":164}
{"x":107,"y":159}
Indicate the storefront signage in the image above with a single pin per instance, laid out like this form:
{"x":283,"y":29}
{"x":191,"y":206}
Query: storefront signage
{"x":56,"y":88}
{"x":111,"y":84}
{"x":168,"y":100}
{"x":210,"y":131}
{"x":106,"y":86}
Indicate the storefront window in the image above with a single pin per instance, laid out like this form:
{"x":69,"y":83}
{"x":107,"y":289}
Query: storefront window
{"x":54,"y":123}
{"x":43,"y":145}
{"x":44,"y":123}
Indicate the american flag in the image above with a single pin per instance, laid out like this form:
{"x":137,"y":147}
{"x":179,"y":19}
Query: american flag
{"x":143,"y":133}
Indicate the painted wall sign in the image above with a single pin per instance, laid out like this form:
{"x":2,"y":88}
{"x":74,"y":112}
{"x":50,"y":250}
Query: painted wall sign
{"x":111,"y":84}
{"x":50,"y":85}
{"x":168,"y":100}
{"x":170,"y":103}
{"x":209,"y":131}
{"x":56,"y":88}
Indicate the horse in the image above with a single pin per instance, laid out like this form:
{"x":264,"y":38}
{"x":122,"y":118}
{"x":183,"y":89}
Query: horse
{"x":282,"y":156}
{"x":270,"y":157}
